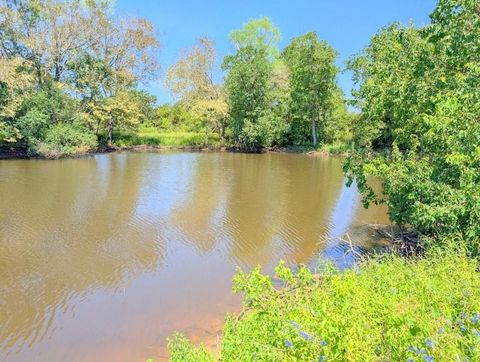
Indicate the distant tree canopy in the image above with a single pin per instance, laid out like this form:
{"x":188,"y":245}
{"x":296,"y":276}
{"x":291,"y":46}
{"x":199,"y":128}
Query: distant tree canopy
{"x":76,"y":64}
{"x":419,"y":129}
{"x":259,"y":34}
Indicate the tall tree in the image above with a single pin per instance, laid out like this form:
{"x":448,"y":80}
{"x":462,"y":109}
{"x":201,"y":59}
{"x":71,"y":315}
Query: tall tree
{"x":254,"y":79}
{"x":51,"y":33}
{"x":247,"y":85}
{"x":312,"y":82}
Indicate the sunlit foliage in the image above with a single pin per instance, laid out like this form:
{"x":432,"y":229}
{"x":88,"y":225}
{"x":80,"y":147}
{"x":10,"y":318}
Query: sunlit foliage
{"x":386,"y":310}
{"x":419,"y":128}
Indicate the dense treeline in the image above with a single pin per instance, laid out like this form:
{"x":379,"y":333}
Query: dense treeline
{"x":70,"y":73}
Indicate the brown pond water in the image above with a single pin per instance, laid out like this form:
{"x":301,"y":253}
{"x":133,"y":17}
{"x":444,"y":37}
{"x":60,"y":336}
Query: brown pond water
{"x":102,"y":258}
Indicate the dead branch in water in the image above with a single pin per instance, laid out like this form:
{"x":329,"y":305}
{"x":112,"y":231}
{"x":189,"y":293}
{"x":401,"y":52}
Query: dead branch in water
{"x":403,"y":242}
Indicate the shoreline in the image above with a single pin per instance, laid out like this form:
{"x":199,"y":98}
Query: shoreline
{"x":16,"y":154}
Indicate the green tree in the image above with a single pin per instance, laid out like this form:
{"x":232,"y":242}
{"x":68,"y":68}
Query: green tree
{"x":256,"y":85}
{"x":146,"y":104}
{"x":41,"y":110}
{"x":191,"y":80}
{"x":418,"y":130}
{"x":313,"y":84}
{"x":122,"y":111}
{"x":15,"y":85}
{"x":338,"y":126}
{"x":247,"y":86}
{"x":50,"y":33}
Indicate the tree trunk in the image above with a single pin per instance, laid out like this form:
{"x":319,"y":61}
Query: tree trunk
{"x":39,"y":74}
{"x":110,"y":130}
{"x":97,"y":129}
{"x":56,"y":74}
{"x":314,"y":133}
{"x":222,"y":133}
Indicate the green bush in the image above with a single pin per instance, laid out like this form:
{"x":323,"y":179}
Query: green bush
{"x":66,"y":139}
{"x":388,"y":309}
{"x":49,"y":123}
{"x":32,"y":127}
{"x":173,"y":118}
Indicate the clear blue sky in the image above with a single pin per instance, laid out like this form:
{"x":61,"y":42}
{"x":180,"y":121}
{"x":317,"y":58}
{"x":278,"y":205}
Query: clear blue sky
{"x":346,"y":24}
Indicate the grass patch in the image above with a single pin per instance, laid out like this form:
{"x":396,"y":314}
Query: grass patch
{"x":336,"y":148}
{"x":154,"y":137}
{"x":385,"y":310}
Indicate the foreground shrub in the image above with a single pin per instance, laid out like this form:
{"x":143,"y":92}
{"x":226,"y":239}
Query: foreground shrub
{"x":385,"y":310}
{"x":419,"y":131}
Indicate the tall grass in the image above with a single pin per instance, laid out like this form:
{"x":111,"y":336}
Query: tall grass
{"x":153,"y":137}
